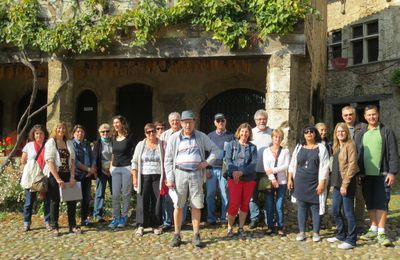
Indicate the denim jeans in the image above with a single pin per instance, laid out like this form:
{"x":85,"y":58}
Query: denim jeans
{"x":121,"y":187}
{"x":101,"y":183}
{"x":167,"y":211}
{"x":274,"y":199}
{"x":302,"y":209}
{"x":211,"y":188}
{"x":86,"y":185}
{"x":30,"y":198}
{"x":347,"y":203}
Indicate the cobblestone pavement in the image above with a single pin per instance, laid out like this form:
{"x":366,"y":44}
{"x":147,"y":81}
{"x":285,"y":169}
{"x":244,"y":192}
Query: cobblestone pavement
{"x":98,"y":242}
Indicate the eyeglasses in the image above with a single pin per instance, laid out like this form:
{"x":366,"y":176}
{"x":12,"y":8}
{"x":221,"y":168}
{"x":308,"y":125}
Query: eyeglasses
{"x":151,"y":131}
{"x":308,"y":132}
{"x":220,"y":120}
{"x":160,"y":128}
{"x":104,"y":131}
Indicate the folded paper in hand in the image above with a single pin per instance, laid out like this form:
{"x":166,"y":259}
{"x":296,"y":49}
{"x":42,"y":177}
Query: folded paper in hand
{"x":71,"y":194}
{"x":174,"y":196}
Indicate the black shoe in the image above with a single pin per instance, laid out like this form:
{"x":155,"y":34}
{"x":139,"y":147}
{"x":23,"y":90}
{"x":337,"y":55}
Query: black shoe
{"x":85,"y":223}
{"x":253,"y":224}
{"x":197,"y":241}
{"x":211,"y":224}
{"x":176,"y":240}
{"x":166,"y":228}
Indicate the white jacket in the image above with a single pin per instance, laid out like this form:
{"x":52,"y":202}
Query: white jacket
{"x":51,"y":154}
{"x":323,"y":172}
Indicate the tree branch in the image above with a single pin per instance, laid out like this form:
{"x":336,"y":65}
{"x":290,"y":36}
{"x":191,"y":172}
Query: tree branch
{"x":27,"y":115}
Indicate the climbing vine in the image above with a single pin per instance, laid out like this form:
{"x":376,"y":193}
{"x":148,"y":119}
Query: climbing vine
{"x":93,"y":28}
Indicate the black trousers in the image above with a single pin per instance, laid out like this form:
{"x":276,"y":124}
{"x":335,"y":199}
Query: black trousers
{"x":148,"y":207}
{"x":86,"y":184}
{"x":54,"y":193}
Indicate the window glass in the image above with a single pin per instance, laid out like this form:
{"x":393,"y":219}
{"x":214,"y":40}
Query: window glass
{"x":337,"y":37}
{"x":357,"y":31}
{"x":373,"y":49}
{"x":358,"y":52}
{"x":372,"y":28}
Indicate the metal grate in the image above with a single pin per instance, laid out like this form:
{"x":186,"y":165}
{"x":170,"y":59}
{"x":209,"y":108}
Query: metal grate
{"x":238,"y":105}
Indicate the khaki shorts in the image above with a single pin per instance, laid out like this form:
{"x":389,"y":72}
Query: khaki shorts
{"x":189,"y":185}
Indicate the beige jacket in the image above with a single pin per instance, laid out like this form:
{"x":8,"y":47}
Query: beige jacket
{"x":347,"y":162}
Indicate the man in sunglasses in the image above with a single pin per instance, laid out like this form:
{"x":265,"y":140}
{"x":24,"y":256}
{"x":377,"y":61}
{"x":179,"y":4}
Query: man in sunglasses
{"x":214,"y":176}
{"x":185,"y":163}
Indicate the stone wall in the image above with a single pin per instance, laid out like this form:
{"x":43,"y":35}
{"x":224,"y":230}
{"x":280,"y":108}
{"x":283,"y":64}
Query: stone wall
{"x":367,"y":82}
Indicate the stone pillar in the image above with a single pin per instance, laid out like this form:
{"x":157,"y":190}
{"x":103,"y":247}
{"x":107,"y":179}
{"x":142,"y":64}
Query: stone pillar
{"x":278,"y":91}
{"x":63,"y":108}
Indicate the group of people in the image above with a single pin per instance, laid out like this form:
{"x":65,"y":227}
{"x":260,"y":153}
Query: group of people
{"x":168,"y":170}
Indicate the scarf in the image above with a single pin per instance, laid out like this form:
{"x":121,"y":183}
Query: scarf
{"x":40,"y":159}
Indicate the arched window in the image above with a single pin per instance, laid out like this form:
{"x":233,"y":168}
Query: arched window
{"x":238,"y":105}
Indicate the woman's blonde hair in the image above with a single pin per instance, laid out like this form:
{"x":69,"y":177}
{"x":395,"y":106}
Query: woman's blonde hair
{"x":336,"y":143}
{"x":279,"y":132}
{"x":54,"y":130}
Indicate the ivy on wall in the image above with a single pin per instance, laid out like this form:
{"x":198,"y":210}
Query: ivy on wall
{"x":92,"y":29}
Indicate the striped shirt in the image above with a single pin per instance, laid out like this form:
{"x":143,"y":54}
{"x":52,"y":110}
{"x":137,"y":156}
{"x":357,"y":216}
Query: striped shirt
{"x":188,"y":156}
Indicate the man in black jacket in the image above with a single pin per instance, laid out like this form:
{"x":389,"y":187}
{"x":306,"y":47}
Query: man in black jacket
{"x":378,"y":161}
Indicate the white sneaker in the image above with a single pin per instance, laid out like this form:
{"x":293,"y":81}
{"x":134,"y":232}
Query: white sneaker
{"x":345,"y":246}
{"x":300,"y":237}
{"x":333,"y":240}
{"x":316,"y":238}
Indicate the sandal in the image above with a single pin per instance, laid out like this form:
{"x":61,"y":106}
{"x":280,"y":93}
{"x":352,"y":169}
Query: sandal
{"x":157,"y":231}
{"x":281,"y":233}
{"x":55,"y":233}
{"x":75,"y":231}
{"x":139,"y":232}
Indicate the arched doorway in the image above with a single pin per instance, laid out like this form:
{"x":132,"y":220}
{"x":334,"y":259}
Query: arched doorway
{"x":238,"y":105}
{"x":41,"y":100}
{"x":86,"y":113}
{"x":135,"y":103}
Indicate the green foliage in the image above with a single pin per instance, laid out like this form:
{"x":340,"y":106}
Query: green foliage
{"x":232,"y":22}
{"x":11,"y":192}
{"x":396,"y":77}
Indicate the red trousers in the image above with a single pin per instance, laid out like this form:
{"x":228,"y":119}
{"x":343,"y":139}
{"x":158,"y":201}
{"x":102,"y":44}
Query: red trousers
{"x":239,"y":196}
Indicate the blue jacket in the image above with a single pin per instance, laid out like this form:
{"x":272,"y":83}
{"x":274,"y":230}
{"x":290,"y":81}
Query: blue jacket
{"x":250,"y":160}
{"x":82,"y":150}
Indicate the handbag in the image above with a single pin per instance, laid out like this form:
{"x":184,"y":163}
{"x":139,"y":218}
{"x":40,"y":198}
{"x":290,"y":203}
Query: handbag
{"x":265,"y":184}
{"x":40,"y":181}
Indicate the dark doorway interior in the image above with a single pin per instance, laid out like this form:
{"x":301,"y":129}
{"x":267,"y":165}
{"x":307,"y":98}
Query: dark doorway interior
{"x":337,"y":111}
{"x":135,"y":103}
{"x":41,"y":100}
{"x":86,"y":113}
{"x":1,"y":119}
{"x":238,"y":105}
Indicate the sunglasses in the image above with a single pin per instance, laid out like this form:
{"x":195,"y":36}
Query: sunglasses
{"x":105,"y":131}
{"x":160,"y":128}
{"x":151,"y":131}
{"x":308,"y":132}
{"x":220,"y":120}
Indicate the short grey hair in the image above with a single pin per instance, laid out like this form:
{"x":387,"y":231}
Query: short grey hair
{"x":320,"y":124}
{"x":104,"y":126}
{"x":174,"y":114}
{"x":260,"y":112}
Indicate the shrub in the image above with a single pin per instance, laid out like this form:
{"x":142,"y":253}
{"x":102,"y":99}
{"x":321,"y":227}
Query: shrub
{"x":11,"y":192}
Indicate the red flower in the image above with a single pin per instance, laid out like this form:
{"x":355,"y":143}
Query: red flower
{"x":8,"y":140}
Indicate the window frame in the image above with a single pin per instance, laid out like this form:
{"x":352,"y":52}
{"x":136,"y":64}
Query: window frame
{"x":364,"y":38}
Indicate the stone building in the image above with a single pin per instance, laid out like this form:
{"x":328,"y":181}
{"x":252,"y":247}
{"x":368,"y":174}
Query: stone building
{"x":184,"y":69}
{"x":365,"y":34}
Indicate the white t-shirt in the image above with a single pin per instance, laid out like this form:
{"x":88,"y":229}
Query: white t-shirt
{"x":29,"y":149}
{"x":282,"y":166}
{"x":262,"y":139}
